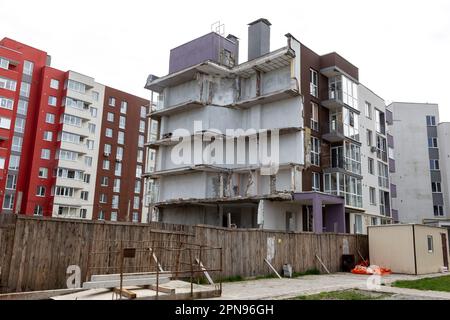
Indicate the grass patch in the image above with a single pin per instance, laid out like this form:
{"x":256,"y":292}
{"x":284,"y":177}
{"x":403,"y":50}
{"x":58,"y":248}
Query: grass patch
{"x":433,"y":284}
{"x":233,"y":279}
{"x":344,"y":295}
{"x":306,"y":273}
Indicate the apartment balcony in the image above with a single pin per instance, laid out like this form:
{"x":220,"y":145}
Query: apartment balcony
{"x":290,"y":91}
{"x":339,"y":164}
{"x":72,"y":183}
{"x":81,"y":131}
{"x":336,"y":132}
{"x":68,"y":201}
{"x":84,"y":114}
{"x":85,"y":97}
{"x":183,"y":106}
{"x":80,"y":148}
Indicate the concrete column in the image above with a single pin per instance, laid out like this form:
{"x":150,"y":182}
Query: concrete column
{"x":317,"y":214}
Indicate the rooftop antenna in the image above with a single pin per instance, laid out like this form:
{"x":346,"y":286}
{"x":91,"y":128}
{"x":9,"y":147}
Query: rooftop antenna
{"x":218,"y":27}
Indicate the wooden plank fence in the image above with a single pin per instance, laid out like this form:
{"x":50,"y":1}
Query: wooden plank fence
{"x":35,"y":252}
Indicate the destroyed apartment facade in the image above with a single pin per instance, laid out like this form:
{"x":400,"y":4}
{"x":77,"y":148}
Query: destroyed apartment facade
{"x":331,"y":171}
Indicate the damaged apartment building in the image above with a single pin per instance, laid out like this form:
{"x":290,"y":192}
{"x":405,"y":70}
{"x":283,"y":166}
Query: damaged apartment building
{"x":332,"y":169}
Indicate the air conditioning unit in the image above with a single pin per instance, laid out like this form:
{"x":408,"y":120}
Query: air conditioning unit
{"x":107,"y":154}
{"x":373,"y":149}
{"x":167,"y":135}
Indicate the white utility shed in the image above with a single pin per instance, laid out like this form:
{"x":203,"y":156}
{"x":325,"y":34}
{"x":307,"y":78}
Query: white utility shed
{"x":409,"y":248}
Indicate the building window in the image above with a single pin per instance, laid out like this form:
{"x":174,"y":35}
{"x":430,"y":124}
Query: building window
{"x":110,"y":117}
{"x":114,"y":216}
{"x":375,"y":221}
{"x":2,"y":162}
{"x":137,"y":186}
{"x":91,"y":128}
{"x":83,"y":213}
{"x":103,"y":198}
{"x":86,"y":178}
{"x":84,"y":195}
{"x":358,"y":224}
{"x":368,"y":110}
{"x":45,"y":154}
{"x":122,"y":122}
{"x":141,"y":141}
{"x":107,"y":149}
{"x":316,"y":181}
{"x":430,"y":244}
{"x":142,"y":126}
{"x":22,"y":107}
{"x":138,"y":171}
{"x":115,"y":202}
{"x":118,"y":169}
{"x":40,"y":192}
{"x":143,"y":112}
{"x":14,"y":162}
{"x":28,"y":67}
{"x":101,"y":215}
{"x":140,"y":156}
{"x":8,"y":84}
{"x":77,"y":86}
{"x":109,"y":132}
{"x":66,"y":192}
{"x":17,"y":144}
{"x":104,"y":182}
{"x":431,"y":121}
{"x":434,"y":164}
{"x":95,"y":96}
{"x":123,"y":107}
{"x":369,"y":137}
{"x":119,"y":153}
{"x":5,"y":123}
{"x":432,"y":142}
{"x":48,"y":136}
{"x":383,"y":175}
{"x":135,"y":217}
{"x":8,"y":202}
{"x":43,"y":173}
{"x":19,"y":126}
{"x":314,"y":116}
{"x":380,"y":121}
{"x":11,"y":182}
{"x":52,"y":101}
{"x":90,"y":144}
{"x":314,"y":83}
{"x":121,"y":137}
{"x":373,"y":196}
{"x":70,"y":137}
{"x":381,"y":148}
{"x":105,"y":164}
{"x":4,"y":64}
{"x":88,"y":161}
{"x":38,"y":211}
{"x":94,"y":112}
{"x":136,"y":203}
{"x":112,"y":102}
{"x":438,"y":211}
{"x":6,"y":103}
{"x":436,"y":187}
{"x":67,"y":155}
{"x":50,"y":118}
{"x":54,"y":84}
{"x":25,"y":88}
{"x":315,"y":151}
{"x":116,"y":187}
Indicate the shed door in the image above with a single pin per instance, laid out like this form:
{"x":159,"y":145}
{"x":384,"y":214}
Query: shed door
{"x":444,"y":248}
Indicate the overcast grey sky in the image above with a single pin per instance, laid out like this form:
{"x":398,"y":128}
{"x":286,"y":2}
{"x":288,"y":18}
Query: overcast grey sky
{"x":402,"y":47}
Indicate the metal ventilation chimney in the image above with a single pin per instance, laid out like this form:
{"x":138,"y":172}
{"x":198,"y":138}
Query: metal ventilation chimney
{"x":258,"y":38}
